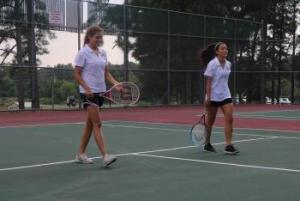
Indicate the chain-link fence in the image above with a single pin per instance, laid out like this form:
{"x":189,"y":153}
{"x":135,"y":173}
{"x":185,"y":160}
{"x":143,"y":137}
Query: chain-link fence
{"x":160,"y":52}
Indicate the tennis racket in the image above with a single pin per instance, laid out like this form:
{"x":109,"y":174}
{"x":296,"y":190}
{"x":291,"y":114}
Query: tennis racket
{"x":198,"y":133}
{"x":123,"y":93}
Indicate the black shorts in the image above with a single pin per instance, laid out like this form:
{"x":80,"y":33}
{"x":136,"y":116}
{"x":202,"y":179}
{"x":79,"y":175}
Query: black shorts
{"x":96,"y":99}
{"x":220,"y":103}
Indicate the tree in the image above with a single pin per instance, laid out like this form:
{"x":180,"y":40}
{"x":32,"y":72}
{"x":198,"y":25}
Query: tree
{"x":259,"y":46}
{"x":184,"y":49}
{"x":7,"y":85}
{"x":56,"y":84}
{"x":251,"y":52}
{"x":15,"y":39}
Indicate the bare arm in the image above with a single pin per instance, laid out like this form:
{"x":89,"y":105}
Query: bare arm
{"x":208,"y":90}
{"x":78,"y":78}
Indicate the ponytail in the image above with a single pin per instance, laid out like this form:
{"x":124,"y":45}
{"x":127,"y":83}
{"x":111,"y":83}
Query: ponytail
{"x":210,"y":52}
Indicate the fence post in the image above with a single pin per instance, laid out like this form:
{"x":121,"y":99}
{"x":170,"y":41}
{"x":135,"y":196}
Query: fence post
{"x":234,"y":61}
{"x":263,"y":61}
{"x":204,"y":45}
{"x":125,"y":39}
{"x":293,"y":53}
{"x":52,"y":88}
{"x":32,"y":55}
{"x":168,"y":61}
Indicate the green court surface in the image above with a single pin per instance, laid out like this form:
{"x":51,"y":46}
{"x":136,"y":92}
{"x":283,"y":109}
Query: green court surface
{"x":155,"y":162}
{"x":281,"y":114}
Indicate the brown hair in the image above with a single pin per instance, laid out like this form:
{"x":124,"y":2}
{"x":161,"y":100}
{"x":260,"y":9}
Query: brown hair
{"x":91,"y":31}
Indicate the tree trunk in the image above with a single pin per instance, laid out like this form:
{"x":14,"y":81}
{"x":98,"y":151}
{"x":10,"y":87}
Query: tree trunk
{"x":19,"y":70}
{"x":32,"y":56}
{"x":294,"y":53}
{"x":280,"y":53}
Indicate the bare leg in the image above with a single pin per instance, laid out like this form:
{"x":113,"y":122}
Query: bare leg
{"x":210,"y":120}
{"x":228,"y":115}
{"x":93,"y":113}
{"x":86,"y":135}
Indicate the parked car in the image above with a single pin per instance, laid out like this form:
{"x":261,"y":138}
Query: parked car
{"x":71,"y":101}
{"x":268,"y":100}
{"x":15,"y":106}
{"x":237,"y":99}
{"x":281,"y":100}
{"x":284,"y":101}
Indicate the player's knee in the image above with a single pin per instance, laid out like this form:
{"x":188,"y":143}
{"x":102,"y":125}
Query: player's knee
{"x":210,"y":121}
{"x":97,"y":124}
{"x":229,"y":119}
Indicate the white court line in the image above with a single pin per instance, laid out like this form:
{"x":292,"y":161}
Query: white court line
{"x":218,"y":143}
{"x":40,"y":125}
{"x":250,"y":116}
{"x":155,"y":128}
{"x":143,"y":122}
{"x":186,"y":130}
{"x":268,"y":111}
{"x":145,"y":127}
{"x":47,"y":124}
{"x":266,"y":129}
{"x":235,"y":128}
{"x":125,"y":154}
{"x":221,"y":163}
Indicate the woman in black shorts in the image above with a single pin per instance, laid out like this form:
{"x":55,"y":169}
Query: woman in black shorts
{"x":218,"y":95}
{"x":91,"y":71}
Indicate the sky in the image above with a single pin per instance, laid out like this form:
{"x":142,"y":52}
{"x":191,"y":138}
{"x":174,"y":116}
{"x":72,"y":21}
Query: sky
{"x":64,"y":47}
{"x":116,"y":1}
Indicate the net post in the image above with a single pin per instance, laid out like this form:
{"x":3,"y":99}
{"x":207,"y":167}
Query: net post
{"x":168,"y":62}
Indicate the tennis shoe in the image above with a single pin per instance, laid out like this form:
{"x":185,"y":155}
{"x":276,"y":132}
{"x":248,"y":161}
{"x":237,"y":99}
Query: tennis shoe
{"x":82,"y":158}
{"x":209,"y":148}
{"x":108,"y":160}
{"x":231,"y":150}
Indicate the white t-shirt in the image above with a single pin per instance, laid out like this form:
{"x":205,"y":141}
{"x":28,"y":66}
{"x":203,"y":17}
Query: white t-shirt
{"x":219,"y":86}
{"x":93,"y":68}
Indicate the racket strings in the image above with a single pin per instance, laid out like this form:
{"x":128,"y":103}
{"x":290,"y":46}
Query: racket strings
{"x":198,"y":133}
{"x":129,"y":94}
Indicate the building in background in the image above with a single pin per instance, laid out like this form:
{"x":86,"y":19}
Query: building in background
{"x":72,"y":15}
{"x":63,"y":14}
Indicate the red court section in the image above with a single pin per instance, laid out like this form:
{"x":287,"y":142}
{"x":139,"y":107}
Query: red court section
{"x":162,"y":114}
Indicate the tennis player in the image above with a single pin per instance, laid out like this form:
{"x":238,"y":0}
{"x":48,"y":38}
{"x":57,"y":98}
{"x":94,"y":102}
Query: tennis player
{"x":218,"y":95}
{"x":91,"y":71}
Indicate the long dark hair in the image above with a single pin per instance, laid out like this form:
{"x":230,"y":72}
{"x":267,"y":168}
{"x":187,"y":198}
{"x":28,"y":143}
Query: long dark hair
{"x":210,"y":52}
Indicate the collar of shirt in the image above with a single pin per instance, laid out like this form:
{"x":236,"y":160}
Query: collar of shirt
{"x":219,"y":63}
{"x":90,"y":50}
{"x":101,"y":52}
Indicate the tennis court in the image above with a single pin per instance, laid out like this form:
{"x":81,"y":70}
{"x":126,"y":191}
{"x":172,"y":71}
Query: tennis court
{"x":158,"y":46}
{"x":156,"y":161}
{"x":284,"y":114}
